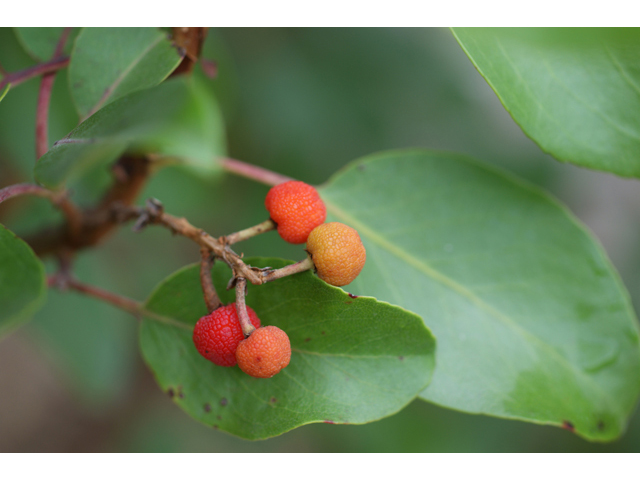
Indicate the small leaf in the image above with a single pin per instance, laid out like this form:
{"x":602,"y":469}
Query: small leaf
{"x":178,"y":118}
{"x":354,"y":360}
{"x":532,"y":321}
{"x":575,"y":92}
{"x":40,"y":42}
{"x":108,"y":63}
{"x":4,"y":91}
{"x":22,"y":281}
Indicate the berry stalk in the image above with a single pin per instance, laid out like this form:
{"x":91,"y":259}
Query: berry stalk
{"x":211,"y":298}
{"x":247,"y":233}
{"x":301,"y":266}
{"x":241,"y":307}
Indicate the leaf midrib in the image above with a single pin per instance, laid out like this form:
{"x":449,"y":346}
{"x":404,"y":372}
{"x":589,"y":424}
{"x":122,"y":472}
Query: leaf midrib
{"x":116,"y":83}
{"x":428,"y":270}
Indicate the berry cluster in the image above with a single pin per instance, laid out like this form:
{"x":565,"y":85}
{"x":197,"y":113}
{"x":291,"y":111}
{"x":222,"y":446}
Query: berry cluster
{"x":232,"y":334}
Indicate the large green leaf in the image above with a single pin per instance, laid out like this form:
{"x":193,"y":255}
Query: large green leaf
{"x":575,"y":92}
{"x":531,"y":319}
{"x":22,"y":281}
{"x":40,"y":42}
{"x":108,"y":63}
{"x":177,"y":118}
{"x":354,"y":360}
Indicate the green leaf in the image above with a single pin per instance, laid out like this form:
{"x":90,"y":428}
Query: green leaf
{"x":575,"y":92}
{"x":4,"y":91}
{"x":354,"y":360}
{"x":134,"y":59}
{"x":40,"y":42}
{"x":22,"y":281}
{"x":532,"y":321}
{"x":177,"y":118}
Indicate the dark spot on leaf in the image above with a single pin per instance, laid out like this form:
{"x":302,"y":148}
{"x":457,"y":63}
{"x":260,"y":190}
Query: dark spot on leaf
{"x":400,"y":358}
{"x":600,"y":425}
{"x":308,"y":339}
{"x":219,"y":417}
{"x":353,"y":296}
{"x":171,"y":392}
{"x":273,"y":400}
{"x":215,"y":426}
{"x":348,"y":302}
{"x":223,"y":402}
{"x":207,"y":407}
{"x":567,"y":425}
{"x":330,"y":421}
{"x":361,"y":167}
{"x":322,"y":333}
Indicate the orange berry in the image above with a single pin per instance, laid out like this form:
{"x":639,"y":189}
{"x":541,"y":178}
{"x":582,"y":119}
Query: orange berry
{"x":337,"y":253}
{"x":217,"y":335}
{"x":296,"y":208}
{"x":264,"y":353}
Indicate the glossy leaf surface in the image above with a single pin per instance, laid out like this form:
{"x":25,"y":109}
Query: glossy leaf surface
{"x":178,"y":119}
{"x":134,"y":59}
{"x":531,"y":319}
{"x":354,"y":360}
{"x":575,"y":92}
{"x":22,"y":281}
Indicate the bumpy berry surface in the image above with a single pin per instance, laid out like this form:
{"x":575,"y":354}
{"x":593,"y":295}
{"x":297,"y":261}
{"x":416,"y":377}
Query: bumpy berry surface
{"x":337,"y":253}
{"x":296,"y":208}
{"x":217,"y":335}
{"x":264,"y":353}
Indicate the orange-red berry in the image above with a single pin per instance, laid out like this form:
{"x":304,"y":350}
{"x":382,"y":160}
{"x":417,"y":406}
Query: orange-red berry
{"x":264,"y":353}
{"x":296,"y":208}
{"x":217,"y":335}
{"x":337,"y":253}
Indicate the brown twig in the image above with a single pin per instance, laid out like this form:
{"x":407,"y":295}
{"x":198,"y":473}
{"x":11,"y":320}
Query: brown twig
{"x":16,"y":78}
{"x":189,"y":42}
{"x":253,"y":172}
{"x":89,"y":227}
{"x":301,"y":266}
{"x":247,"y":233}
{"x":44,"y":98}
{"x":59,"y":199}
{"x":211,"y":298}
{"x":241,"y":307}
{"x":154,"y":214}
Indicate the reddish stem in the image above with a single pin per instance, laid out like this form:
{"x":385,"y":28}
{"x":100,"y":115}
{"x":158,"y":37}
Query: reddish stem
{"x":16,"y":78}
{"x":258,"y":174}
{"x":124,"y":303}
{"x":42,"y":114}
{"x":44,"y":99}
{"x":25,"y":189}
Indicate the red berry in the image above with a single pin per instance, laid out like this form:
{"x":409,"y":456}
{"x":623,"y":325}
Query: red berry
{"x":296,"y":208}
{"x":264,"y":353}
{"x":217,"y":335}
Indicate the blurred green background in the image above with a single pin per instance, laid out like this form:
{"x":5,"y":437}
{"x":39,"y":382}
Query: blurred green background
{"x":303,"y":102}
